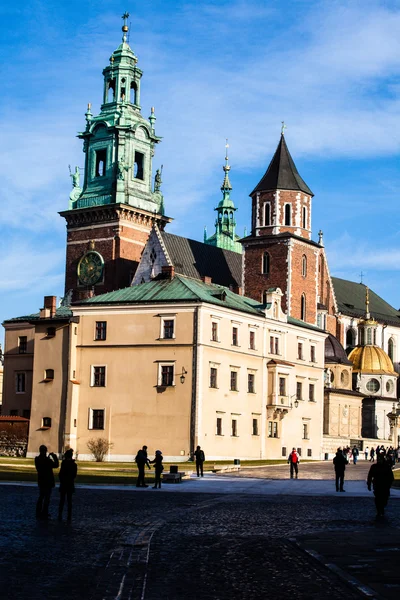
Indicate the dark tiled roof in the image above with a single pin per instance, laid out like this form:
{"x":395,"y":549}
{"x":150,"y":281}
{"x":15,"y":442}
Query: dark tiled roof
{"x":197,"y":260}
{"x":63,"y":312}
{"x":277,"y":237}
{"x":13,"y":419}
{"x":334,"y":351}
{"x":282,"y":173}
{"x":350,"y":297}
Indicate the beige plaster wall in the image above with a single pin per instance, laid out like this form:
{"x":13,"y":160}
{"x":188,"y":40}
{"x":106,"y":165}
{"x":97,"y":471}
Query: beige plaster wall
{"x":15,"y":362}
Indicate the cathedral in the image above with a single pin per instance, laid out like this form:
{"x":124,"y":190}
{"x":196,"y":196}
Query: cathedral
{"x":246,"y":346}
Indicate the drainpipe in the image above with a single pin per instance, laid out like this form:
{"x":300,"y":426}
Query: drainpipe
{"x":193,"y":408}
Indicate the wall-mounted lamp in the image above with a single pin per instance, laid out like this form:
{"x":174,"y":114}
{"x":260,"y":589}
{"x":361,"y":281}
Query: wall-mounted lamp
{"x":296,"y":402}
{"x":182,"y":376}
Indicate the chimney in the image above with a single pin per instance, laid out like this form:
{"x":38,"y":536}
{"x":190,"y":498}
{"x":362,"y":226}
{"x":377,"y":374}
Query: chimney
{"x":237,"y":290}
{"x":50,"y":304}
{"x":168,"y":272}
{"x":207,"y":279}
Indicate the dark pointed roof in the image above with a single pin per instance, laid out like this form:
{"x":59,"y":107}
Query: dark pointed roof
{"x":282,"y":173}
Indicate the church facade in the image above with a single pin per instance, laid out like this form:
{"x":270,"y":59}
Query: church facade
{"x":233,"y":345}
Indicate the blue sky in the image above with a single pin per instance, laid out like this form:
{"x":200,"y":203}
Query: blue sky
{"x":235,"y":69}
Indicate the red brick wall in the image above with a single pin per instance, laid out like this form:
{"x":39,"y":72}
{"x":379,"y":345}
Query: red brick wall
{"x":285,"y":197}
{"x":255,"y":282}
{"x":303,"y":285}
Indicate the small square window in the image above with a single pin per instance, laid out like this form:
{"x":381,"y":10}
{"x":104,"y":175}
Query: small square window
{"x":99,"y":377}
{"x":213,"y":377}
{"x":51,"y":332}
{"x":234,"y":381}
{"x":101,"y":330}
{"x":49,"y":374}
{"x":46,"y":422}
{"x":22,"y":344}
{"x":219,"y":426}
{"x":250,"y":383}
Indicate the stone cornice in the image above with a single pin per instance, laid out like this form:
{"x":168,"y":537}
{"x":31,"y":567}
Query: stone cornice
{"x":113,"y":212}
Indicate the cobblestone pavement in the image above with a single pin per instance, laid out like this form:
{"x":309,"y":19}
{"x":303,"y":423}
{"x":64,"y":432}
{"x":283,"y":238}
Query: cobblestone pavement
{"x":148,"y":545}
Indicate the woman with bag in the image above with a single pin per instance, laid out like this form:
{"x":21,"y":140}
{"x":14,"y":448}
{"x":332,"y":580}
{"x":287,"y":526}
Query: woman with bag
{"x":158,"y":466}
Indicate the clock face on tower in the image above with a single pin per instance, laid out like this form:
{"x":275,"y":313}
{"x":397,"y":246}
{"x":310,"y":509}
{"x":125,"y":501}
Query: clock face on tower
{"x":90,"y":268}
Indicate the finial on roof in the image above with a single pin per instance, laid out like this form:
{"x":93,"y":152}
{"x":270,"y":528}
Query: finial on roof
{"x":367,"y":302}
{"x":152,"y":118}
{"x":125,"y":27}
{"x":226,"y":184}
{"x":205,"y":237}
{"x":320,"y":237}
{"x":283,"y":128}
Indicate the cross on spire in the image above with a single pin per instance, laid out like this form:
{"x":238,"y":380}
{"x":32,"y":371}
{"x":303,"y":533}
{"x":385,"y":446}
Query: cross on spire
{"x":125,"y":27}
{"x":283,"y":128}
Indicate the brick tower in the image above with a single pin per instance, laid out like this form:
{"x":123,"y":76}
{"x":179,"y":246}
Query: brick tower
{"x":111,"y":215}
{"x":280,"y":252}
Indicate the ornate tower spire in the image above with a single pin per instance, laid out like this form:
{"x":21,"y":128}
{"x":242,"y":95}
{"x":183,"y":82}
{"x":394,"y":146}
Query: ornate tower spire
{"x":225,"y":224}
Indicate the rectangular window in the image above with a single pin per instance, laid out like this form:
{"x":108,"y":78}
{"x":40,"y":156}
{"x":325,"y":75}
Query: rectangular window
{"x":235,"y":338}
{"x":252,"y":340}
{"x":299,"y":391}
{"x":51,"y":332}
{"x":101,"y":330}
{"x":269,"y":428}
{"x":20,"y":383}
{"x":219,"y":426}
{"x":282,"y":386}
{"x":311,"y":392}
{"x":46,"y":422}
{"x":300,"y":351}
{"x":214,"y":331}
{"x":234,"y":428}
{"x":14,"y":412}
{"x":250,"y":383}
{"x":234,"y":378}
{"x":309,"y":452}
{"x":22,"y":344}
{"x":305,"y":431}
{"x":299,"y":451}
{"x":255,"y":426}
{"x":49,"y":374}
{"x":213,"y":377}
{"x":273,"y":345}
{"x":312,"y":354}
{"x":283,"y":450}
{"x":101,"y":159}
{"x":98,"y":418}
{"x":274,"y":429}
{"x":167,"y":375}
{"x":138,"y":167}
{"x":168,"y":329}
{"x":98,"y":376}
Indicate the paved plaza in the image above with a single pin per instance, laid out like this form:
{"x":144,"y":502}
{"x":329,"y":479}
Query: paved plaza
{"x":253,"y":534}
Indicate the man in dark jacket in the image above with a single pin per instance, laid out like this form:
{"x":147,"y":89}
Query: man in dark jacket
{"x":67,"y":476}
{"x":340,"y":462}
{"x":141,"y":461}
{"x":381,"y":477}
{"x":200,"y":458}
{"x":44,"y":466}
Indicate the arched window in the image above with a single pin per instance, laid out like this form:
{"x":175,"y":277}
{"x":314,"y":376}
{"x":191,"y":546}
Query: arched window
{"x":304,"y":217}
{"x":231,"y":215}
{"x":350,"y":338}
{"x":265,"y":263}
{"x":288,"y":215}
{"x":267,"y":214}
{"x":391,"y":349}
{"x":122,"y":96}
{"x":303,"y":308}
{"x":110,"y":90}
{"x":304,"y":266}
{"x":133,"y":92}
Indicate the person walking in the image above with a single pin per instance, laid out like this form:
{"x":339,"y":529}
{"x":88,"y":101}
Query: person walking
{"x":44,"y":466}
{"x":141,"y":460}
{"x":354,"y":454}
{"x":366,"y":452}
{"x":381,"y":477}
{"x":340,"y":462}
{"x":67,"y":477}
{"x":158,"y":468}
{"x":200,"y":458}
{"x":294,"y":460}
{"x":372,"y":459}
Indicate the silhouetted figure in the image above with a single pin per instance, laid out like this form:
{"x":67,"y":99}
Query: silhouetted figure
{"x":44,"y":466}
{"x":354,"y":454}
{"x":200,"y":458}
{"x":340,"y":462}
{"x":294,"y":460}
{"x":158,"y":468}
{"x":372,"y":459}
{"x":141,"y":461}
{"x":67,"y":476}
{"x":381,"y":477}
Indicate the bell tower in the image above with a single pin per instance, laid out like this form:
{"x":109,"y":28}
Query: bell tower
{"x":110,"y":217}
{"x":280,"y":252}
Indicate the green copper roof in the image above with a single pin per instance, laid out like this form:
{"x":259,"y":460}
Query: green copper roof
{"x":63,"y":312}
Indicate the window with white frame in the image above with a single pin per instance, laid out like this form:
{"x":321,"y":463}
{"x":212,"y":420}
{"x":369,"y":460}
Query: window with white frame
{"x":272,"y":429}
{"x":251,"y":378}
{"x":96,"y":418}
{"x":282,"y":386}
{"x":312,"y":354}
{"x":214,"y":331}
{"x":300,"y":351}
{"x":234,"y":381}
{"x":213,"y":377}
{"x":100,"y":330}
{"x":235,"y":336}
{"x":167,"y":327}
{"x":166,"y":374}
{"x":252,"y":339}
{"x":98,"y":378}
{"x":22,"y":344}
{"x":273,"y":344}
{"x":20,"y":383}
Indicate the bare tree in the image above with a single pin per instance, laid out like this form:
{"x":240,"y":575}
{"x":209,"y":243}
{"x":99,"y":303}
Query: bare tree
{"x":99,"y":447}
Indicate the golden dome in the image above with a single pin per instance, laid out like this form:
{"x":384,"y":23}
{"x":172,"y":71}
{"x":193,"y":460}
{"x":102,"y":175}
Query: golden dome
{"x":371,"y":359}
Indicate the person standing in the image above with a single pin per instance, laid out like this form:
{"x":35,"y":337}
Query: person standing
{"x":158,"y":468}
{"x":372,"y":459}
{"x":355,"y":453}
{"x":200,"y":458}
{"x":44,"y":466}
{"x":294,"y":460}
{"x":340,"y":462}
{"x":381,"y":477}
{"x":67,"y":477}
{"x":366,"y":452}
{"x":141,"y":461}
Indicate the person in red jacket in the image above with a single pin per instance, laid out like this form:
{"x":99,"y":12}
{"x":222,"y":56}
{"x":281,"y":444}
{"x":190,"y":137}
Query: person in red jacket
{"x":294,"y":460}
